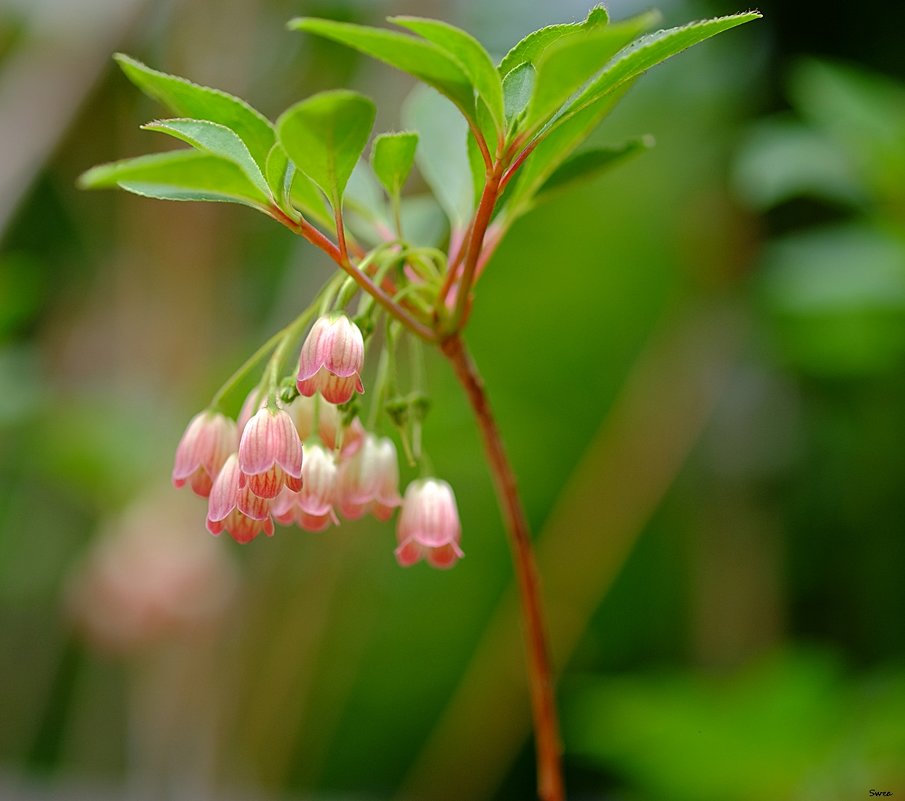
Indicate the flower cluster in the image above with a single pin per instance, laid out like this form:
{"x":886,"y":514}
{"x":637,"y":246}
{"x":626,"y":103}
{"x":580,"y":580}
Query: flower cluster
{"x":300,"y":463}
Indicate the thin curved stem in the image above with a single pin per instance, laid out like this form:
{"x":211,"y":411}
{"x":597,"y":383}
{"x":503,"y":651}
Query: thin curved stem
{"x":543,"y":706}
{"x":303,"y":228}
{"x":475,"y":242}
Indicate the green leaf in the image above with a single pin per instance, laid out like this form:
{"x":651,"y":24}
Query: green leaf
{"x":423,"y":220}
{"x":187,"y":99}
{"x":442,"y":157}
{"x":178,"y":175}
{"x":305,"y":196}
{"x":279,"y":171}
{"x":392,"y":157}
{"x":424,"y":60}
{"x":529,"y":49}
{"x":366,"y":211}
{"x":477,"y":169}
{"x":556,"y":146}
{"x":294,"y":190}
{"x":649,"y":51}
{"x":570,"y":63}
{"x":780,"y":159}
{"x":587,"y":164}
{"x":470,"y":54}
{"x":218,"y":140}
{"x":861,"y":111}
{"x":325,"y":136}
{"x":517,"y":88}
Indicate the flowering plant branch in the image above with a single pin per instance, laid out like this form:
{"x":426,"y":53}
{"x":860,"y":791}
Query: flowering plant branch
{"x":298,"y":452}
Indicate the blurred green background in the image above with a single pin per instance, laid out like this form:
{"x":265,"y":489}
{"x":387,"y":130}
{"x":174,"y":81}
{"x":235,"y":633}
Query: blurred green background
{"x":698,"y":363}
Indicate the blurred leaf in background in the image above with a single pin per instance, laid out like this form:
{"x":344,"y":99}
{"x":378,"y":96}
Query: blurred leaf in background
{"x":834,"y":291}
{"x":792,"y":728}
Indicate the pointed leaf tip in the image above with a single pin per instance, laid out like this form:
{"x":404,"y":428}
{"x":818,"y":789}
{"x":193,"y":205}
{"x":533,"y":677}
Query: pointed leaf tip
{"x":392,"y":158}
{"x":187,"y":99}
{"x":176,"y":175}
{"x":325,"y":136}
{"x":420,"y":58}
{"x":468,"y":53}
{"x":216,"y":139}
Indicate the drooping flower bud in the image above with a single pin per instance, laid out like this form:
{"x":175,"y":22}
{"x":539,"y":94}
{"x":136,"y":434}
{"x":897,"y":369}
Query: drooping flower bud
{"x":237,"y":510}
{"x":368,"y":481}
{"x":331,"y":359}
{"x":208,"y":439}
{"x":429,"y":526}
{"x":270,"y":453}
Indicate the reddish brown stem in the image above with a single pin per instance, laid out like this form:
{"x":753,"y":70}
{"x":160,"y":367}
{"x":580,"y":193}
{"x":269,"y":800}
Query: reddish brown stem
{"x":518,"y":163}
{"x":543,"y":706}
{"x":476,"y":240}
{"x":341,"y":233}
{"x":305,"y":229}
{"x":482,"y":145}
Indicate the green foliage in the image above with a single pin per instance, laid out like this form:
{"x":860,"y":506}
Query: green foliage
{"x":422,"y":59}
{"x":218,"y":140}
{"x":564,"y":67}
{"x":442,"y":157}
{"x":178,"y":175}
{"x":325,"y":136}
{"x":554,"y":149}
{"x":187,"y":99}
{"x":834,"y":295}
{"x":527,"y":116}
{"x":860,"y":112}
{"x":781,"y":159}
{"x":647,"y":52}
{"x":529,"y":49}
{"x":789,"y":723}
{"x":392,"y":159}
{"x":470,"y":54}
{"x":518,"y":86}
{"x":588,"y":164}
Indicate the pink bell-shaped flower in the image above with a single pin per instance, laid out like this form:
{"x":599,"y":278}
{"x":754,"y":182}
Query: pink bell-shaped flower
{"x":312,"y":506}
{"x":270,"y":453}
{"x":331,"y":359}
{"x":368,"y":481}
{"x":287,"y":510}
{"x":255,"y":401}
{"x":208,"y":439}
{"x":237,"y":510}
{"x":329,"y":424}
{"x":429,"y":526}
